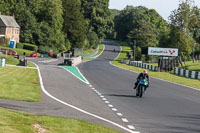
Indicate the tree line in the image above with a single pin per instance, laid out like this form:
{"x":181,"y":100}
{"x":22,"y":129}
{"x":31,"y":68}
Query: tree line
{"x":147,"y":28}
{"x":59,"y":24}
{"x":69,"y":24}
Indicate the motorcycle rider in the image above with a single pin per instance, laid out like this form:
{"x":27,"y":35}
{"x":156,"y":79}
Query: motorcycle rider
{"x":143,"y":75}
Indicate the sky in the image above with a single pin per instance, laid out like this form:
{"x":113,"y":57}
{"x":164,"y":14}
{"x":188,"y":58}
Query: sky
{"x":163,"y":7}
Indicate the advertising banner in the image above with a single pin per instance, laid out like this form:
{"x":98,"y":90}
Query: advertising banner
{"x":163,"y":51}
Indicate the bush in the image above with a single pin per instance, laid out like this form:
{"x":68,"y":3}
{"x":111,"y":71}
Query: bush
{"x":27,"y":46}
{"x":30,"y":47}
{"x":45,"y":50}
{"x":20,"y":45}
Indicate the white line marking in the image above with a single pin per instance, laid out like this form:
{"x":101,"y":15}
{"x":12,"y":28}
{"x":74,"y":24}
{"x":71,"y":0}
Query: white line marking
{"x":93,"y":88}
{"x":124,"y":120}
{"x":109,"y":105}
{"x":76,"y":76}
{"x":131,"y":127}
{"x":107,"y":102}
{"x":114,"y":109}
{"x":90,"y":85}
{"x":87,"y":82}
{"x":101,"y":96}
{"x":104,"y":99}
{"x":76,"y":108}
{"x":119,"y":114}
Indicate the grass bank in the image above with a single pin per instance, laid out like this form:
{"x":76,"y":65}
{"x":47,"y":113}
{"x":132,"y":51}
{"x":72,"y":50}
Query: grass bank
{"x":101,"y":47}
{"x":19,"y":84}
{"x":162,"y":75}
{"x":13,"y":61}
{"x":16,"y":122}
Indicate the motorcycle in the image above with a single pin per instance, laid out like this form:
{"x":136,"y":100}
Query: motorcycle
{"x":141,"y":88}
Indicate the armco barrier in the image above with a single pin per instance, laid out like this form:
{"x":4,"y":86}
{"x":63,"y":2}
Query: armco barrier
{"x":140,"y":64}
{"x":187,"y":73}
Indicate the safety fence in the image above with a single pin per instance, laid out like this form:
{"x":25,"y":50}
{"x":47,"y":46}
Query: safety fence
{"x":177,"y":71}
{"x":187,"y":73}
{"x":140,"y":64}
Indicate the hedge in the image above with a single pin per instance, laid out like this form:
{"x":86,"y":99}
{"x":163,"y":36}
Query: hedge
{"x":27,"y":46}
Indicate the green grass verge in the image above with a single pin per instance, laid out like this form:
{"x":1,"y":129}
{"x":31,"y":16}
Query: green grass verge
{"x":192,"y":66}
{"x":17,"y":122}
{"x":101,"y":47}
{"x":162,"y":75}
{"x":13,"y":61}
{"x":10,"y":59}
{"x":19,"y":84}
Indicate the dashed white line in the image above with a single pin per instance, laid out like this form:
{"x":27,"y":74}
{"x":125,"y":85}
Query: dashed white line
{"x":107,"y":102}
{"x":109,"y":105}
{"x":131,"y":127}
{"x":104,"y":99}
{"x":119,"y":114}
{"x":90,"y":85}
{"x":101,"y":96}
{"x":114,"y":109}
{"x":124,"y":120}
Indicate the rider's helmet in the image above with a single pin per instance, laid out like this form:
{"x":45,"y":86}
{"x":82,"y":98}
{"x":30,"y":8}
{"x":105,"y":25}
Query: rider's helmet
{"x":145,"y":71}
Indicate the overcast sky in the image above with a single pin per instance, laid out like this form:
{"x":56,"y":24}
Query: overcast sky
{"x":163,"y":7}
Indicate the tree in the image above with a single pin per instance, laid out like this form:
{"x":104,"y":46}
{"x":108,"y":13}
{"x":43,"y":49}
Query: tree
{"x":182,"y":24}
{"x":74,"y":25}
{"x":97,"y":14}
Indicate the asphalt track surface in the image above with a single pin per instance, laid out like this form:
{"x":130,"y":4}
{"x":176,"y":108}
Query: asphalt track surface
{"x":165,"y":108}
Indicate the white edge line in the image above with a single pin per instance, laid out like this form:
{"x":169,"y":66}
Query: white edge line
{"x":131,"y":127}
{"x":87,"y":82}
{"x":76,"y":76}
{"x":151,"y":76}
{"x":76,"y":108}
{"x":124,"y":120}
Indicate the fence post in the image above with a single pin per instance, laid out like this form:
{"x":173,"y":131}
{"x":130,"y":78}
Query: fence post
{"x":193,"y":74}
{"x":187,"y":73}
{"x":198,"y":75}
{"x":182,"y":72}
{"x":176,"y":71}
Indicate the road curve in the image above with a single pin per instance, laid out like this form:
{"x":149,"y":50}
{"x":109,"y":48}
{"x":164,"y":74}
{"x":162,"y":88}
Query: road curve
{"x":165,"y":108}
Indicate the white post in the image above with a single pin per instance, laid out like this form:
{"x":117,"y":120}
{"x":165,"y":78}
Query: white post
{"x":193,"y":74}
{"x":182,"y":72}
{"x":187,"y":73}
{"x":198,"y":75}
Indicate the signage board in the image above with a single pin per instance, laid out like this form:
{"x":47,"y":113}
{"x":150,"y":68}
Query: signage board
{"x":163,"y":51}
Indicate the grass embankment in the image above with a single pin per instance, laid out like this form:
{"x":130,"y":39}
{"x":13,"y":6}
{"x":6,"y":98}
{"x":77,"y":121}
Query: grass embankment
{"x":188,"y":65}
{"x":191,"y":66}
{"x":12,"y":121}
{"x":13,"y":61}
{"x":19,"y":84}
{"x":162,"y":75}
{"x":101,"y":47}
